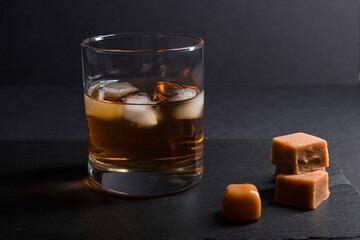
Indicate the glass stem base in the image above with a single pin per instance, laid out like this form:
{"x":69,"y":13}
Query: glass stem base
{"x":142,"y":183}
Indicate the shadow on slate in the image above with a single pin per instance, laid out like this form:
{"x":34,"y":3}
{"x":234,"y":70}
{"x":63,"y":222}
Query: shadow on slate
{"x":44,"y":196}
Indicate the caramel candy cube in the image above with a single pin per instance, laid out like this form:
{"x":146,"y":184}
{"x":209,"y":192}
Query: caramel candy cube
{"x":241,"y":202}
{"x":306,"y":190}
{"x":299,"y":153}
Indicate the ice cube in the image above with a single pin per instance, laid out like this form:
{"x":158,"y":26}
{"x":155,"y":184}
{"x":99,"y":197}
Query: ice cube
{"x":168,"y":88}
{"x":190,"y":109}
{"x":137,"y":109}
{"x":102,"y":110}
{"x":111,"y":89}
{"x":183,"y":94}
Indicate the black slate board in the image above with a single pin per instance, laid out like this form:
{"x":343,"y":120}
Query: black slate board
{"x":44,"y":196}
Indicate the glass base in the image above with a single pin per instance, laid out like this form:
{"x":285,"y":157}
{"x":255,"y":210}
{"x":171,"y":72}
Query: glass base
{"x":142,"y":183}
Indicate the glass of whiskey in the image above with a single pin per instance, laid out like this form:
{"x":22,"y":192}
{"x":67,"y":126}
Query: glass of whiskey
{"x":144,"y":103}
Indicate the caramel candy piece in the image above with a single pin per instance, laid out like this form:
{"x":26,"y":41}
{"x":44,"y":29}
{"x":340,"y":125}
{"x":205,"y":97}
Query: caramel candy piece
{"x":306,"y":190}
{"x":298,"y":153}
{"x":241,"y":202}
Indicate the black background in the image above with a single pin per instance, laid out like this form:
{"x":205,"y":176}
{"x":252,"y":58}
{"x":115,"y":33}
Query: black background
{"x":247,"y":41}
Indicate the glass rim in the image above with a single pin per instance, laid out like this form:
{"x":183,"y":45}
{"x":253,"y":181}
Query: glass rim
{"x":86,"y":43}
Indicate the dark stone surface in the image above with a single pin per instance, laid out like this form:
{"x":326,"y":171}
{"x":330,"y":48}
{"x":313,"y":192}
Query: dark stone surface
{"x":44,"y":196}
